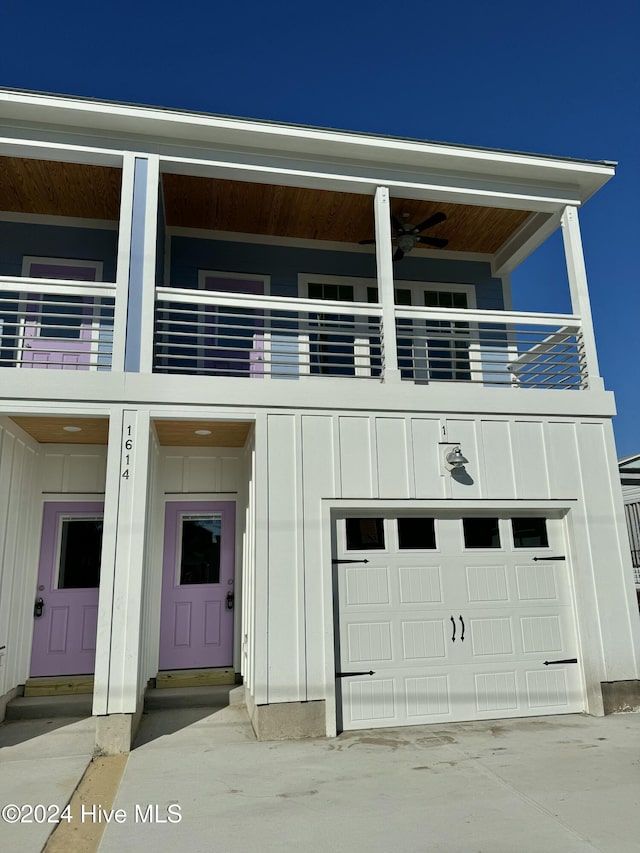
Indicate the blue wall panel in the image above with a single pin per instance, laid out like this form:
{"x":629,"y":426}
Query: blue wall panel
{"x":283,"y":264}
{"x":18,"y":239}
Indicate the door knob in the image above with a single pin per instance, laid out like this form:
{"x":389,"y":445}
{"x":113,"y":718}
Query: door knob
{"x":38,"y":608}
{"x":229,"y":601}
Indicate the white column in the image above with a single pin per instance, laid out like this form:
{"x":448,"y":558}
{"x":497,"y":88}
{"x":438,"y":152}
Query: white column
{"x":123,"y":261}
{"x":149,"y":265}
{"x":384,"y":260}
{"x":579,"y":291}
{"x":120,"y":611}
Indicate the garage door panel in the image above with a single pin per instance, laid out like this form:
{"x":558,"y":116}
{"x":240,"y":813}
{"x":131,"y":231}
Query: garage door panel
{"x":403,"y":616}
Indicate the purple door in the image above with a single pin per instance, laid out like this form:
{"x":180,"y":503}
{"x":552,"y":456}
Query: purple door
{"x":58,"y":335}
{"x":229,"y":345}
{"x":66,"y":601}
{"x":196,"y":625}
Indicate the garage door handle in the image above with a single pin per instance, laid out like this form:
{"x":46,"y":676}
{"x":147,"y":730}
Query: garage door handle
{"x":347,"y":674}
{"x":453,"y":622}
{"x":462,"y":623}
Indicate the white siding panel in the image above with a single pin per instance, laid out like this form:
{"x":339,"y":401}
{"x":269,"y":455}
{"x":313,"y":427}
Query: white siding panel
{"x":52,"y":471}
{"x":531,"y":476}
{"x":391,"y":448}
{"x":356,"y":458}
{"x":84,"y":472}
{"x":498,"y":459}
{"x":429,"y":482}
{"x":285,"y":575}
{"x":319,"y":482}
{"x":201,"y":474}
{"x":230,"y":474}
{"x":173,"y":473}
{"x":562,"y":453}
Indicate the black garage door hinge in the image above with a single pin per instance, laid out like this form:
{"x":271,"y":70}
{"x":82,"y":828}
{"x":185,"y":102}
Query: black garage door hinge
{"x":347,"y":674}
{"x":554,"y":559}
{"x":335,"y":562}
{"x":568,"y":660}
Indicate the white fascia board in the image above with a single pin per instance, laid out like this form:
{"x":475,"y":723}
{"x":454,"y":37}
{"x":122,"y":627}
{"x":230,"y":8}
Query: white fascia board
{"x":217,"y":130}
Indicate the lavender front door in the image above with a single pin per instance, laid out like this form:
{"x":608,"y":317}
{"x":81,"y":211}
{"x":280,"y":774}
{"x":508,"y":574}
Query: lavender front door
{"x":58,"y":335}
{"x":66,"y":600}
{"x":196,"y":626}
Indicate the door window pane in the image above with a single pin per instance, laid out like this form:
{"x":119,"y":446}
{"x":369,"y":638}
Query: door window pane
{"x":80,"y":548}
{"x":365,"y":534}
{"x":61,"y":321}
{"x":416,"y":533}
{"x":200,"y":553}
{"x":481,"y":533}
{"x":530,"y":532}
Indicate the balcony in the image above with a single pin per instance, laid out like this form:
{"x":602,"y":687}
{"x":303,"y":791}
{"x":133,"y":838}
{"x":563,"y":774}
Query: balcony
{"x":232,"y":335}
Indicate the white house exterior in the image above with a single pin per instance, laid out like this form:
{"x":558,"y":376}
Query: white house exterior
{"x":229,"y":474}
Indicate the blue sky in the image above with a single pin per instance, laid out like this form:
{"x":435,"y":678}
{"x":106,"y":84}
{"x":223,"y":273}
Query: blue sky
{"x":557,"y":77}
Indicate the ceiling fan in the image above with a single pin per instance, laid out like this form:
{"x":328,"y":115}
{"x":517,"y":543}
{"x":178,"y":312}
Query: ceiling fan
{"x":406,"y":235}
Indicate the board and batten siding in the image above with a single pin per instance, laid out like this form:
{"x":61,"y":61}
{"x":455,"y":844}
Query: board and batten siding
{"x":311,"y":457}
{"x":19,"y":546}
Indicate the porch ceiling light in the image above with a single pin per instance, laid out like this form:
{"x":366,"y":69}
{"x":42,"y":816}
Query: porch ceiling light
{"x":72,"y":429}
{"x":202,"y":431}
{"x":455,"y":458}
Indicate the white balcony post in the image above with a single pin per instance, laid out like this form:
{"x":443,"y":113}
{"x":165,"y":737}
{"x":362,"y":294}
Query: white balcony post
{"x":384,"y":261}
{"x":122,"y":264}
{"x":579,"y":291}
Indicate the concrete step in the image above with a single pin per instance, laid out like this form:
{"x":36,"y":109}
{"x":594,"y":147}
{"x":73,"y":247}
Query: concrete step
{"x":188,"y":697}
{"x":38,"y":707}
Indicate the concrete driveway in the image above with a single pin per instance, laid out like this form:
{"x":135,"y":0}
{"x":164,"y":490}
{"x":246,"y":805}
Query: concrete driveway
{"x":563,"y":784}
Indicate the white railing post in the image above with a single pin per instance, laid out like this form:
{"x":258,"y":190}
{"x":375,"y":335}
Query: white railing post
{"x":384,"y":262}
{"x":122,"y":264}
{"x":579,"y":291}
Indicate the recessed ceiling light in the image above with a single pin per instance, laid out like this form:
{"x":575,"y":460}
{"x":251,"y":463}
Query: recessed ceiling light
{"x":202,"y":432}
{"x":72,"y":429}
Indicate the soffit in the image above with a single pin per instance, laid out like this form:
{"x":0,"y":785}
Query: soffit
{"x":50,"y":430}
{"x":284,"y":211}
{"x":183,"y":433}
{"x":59,"y":189}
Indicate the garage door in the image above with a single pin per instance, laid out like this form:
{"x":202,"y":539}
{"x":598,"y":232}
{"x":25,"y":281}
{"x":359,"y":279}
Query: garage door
{"x":456,"y":619}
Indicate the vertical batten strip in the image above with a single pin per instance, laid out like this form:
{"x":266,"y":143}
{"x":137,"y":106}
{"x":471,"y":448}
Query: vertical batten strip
{"x":122,"y":264}
{"x":580,"y":303}
{"x":384,"y":265}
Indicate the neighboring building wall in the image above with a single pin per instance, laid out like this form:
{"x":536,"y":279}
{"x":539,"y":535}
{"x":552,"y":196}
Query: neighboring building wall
{"x":631,"y":497}
{"x":285,"y":263}
{"x":19,"y":546}
{"x":19,"y":239}
{"x":311,"y":457}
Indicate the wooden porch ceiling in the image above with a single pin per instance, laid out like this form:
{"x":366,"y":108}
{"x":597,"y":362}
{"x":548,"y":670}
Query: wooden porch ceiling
{"x":59,"y":189}
{"x":171,"y":433}
{"x":283,"y":211}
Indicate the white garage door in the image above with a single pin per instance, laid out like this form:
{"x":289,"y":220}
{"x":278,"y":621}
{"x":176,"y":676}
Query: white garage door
{"x":457,"y":618}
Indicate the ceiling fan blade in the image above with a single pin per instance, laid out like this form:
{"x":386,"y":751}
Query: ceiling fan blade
{"x":399,"y":255}
{"x":430,"y":222}
{"x":366,"y":242}
{"x":436,"y":242}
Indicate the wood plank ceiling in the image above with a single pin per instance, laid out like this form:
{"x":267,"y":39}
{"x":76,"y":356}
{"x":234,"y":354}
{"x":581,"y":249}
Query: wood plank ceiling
{"x":171,"y":433}
{"x":281,"y":211}
{"x":59,"y":189}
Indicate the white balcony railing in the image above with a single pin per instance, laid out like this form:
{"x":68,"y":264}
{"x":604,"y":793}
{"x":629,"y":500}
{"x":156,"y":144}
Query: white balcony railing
{"x":225,"y":334}
{"x":491,"y":348}
{"x":57,"y":324}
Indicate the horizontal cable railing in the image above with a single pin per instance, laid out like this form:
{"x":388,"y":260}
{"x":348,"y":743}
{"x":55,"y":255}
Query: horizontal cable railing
{"x":56,"y":324}
{"x":494,"y":349}
{"x":265,"y":337}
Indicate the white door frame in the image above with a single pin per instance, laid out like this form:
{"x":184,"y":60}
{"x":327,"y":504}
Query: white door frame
{"x":590,"y":658}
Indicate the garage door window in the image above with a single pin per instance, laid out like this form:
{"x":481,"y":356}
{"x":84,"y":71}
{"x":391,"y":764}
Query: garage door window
{"x":416,"y":534}
{"x":365,"y":534}
{"x":530,"y":533}
{"x":481,"y":533}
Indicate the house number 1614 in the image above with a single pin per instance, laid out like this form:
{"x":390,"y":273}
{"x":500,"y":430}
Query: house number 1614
{"x":127,"y":451}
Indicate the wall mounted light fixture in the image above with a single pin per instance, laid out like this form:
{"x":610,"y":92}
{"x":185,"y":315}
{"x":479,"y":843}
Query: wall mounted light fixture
{"x":455,"y":458}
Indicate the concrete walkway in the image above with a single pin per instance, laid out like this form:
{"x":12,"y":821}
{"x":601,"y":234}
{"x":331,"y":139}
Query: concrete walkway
{"x":565,"y":784}
{"x":41,"y":761}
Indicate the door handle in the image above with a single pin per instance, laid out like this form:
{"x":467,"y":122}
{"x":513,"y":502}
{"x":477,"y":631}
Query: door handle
{"x":38,"y":608}
{"x":229,"y":601}
{"x":453,"y":622}
{"x":462,"y":623}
